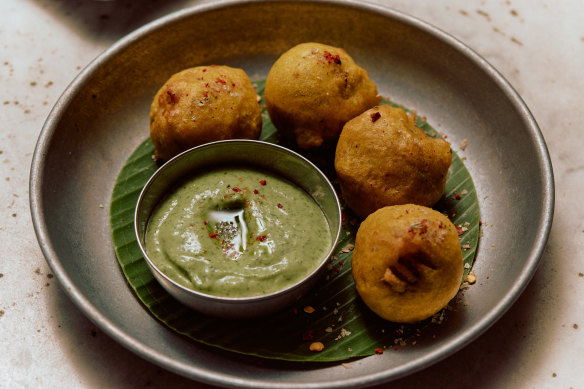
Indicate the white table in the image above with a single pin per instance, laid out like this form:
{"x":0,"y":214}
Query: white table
{"x":46,"y":342}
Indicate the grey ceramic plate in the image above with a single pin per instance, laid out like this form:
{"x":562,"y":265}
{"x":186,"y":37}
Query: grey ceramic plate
{"x":103,"y":116}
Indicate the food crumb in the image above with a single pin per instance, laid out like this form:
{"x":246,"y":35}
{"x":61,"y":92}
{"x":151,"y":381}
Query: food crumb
{"x":343,"y":333}
{"x":316,"y":346}
{"x":463,"y":143}
{"x":399,"y":341}
{"x":554,"y":375}
{"x":575,"y":326}
{"x":309,"y":309}
{"x":348,"y":248}
{"x":438,"y":317}
{"x":485,"y":14}
{"x":346,"y":365}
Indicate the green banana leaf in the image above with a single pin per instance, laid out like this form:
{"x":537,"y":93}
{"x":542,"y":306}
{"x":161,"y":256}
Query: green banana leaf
{"x":345,"y":326}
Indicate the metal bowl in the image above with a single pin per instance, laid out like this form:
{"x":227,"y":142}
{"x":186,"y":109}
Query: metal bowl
{"x":103,"y":116}
{"x":242,"y":153}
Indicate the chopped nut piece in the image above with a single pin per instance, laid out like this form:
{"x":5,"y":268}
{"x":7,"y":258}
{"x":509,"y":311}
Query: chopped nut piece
{"x":309,"y":309}
{"x":471,"y":278}
{"x":463,"y":143}
{"x":316,"y":346}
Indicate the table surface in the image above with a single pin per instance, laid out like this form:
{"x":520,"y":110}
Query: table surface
{"x":47,"y":342}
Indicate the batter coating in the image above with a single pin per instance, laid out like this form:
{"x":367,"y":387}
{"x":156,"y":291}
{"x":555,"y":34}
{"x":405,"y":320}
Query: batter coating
{"x":407,"y":262}
{"x":383,"y":158}
{"x":201,"y":105}
{"x":313,"y":89}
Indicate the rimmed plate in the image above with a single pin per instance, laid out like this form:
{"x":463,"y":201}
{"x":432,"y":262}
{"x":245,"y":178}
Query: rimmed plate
{"x":103,"y":116}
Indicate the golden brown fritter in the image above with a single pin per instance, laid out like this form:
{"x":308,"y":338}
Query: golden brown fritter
{"x":313,"y":89}
{"x":383,"y":158}
{"x":201,"y":105}
{"x":407,"y":262}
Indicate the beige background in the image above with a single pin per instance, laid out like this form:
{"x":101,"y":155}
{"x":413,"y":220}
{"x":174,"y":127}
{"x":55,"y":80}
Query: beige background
{"x":46,"y":342}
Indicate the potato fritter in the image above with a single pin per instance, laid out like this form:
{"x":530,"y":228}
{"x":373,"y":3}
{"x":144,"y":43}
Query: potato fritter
{"x":407,"y":262}
{"x":313,"y":89}
{"x":203,"y":104}
{"x":383,"y":158}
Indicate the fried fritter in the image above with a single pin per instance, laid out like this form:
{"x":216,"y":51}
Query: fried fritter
{"x":203,"y":104}
{"x":383,"y":158}
{"x":313,"y":89}
{"x":407,"y":262}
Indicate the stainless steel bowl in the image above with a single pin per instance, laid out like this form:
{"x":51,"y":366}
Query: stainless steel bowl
{"x":247,"y":153}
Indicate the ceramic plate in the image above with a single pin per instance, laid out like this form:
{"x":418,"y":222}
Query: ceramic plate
{"x":103,"y":116}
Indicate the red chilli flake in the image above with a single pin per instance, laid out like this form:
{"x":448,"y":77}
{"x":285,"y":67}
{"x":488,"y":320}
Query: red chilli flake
{"x":236,"y":189}
{"x":255,"y":191}
{"x":308,"y":335}
{"x":280,"y":206}
{"x":220,"y":80}
{"x":172,"y":97}
{"x":411,"y":232}
{"x":378,"y":351}
{"x":459,"y":230}
{"x":212,"y":235}
{"x":263,"y":182}
{"x":375,"y":116}
{"x":458,"y":197}
{"x":332,"y":58}
{"x":261,"y":238}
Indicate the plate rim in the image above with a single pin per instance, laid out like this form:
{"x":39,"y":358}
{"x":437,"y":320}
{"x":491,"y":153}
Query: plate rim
{"x":217,"y":378}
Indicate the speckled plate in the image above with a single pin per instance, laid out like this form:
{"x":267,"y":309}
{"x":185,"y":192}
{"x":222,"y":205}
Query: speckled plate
{"x":103,"y":116}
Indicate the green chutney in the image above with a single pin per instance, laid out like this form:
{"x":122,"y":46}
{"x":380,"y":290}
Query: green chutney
{"x":237,"y":232}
